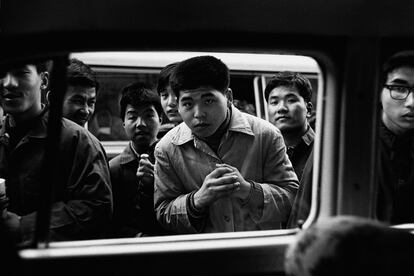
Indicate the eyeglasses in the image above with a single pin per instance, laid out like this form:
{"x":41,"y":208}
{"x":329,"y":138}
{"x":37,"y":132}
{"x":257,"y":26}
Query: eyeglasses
{"x":399,"y":92}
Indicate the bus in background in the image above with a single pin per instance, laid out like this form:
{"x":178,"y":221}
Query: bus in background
{"x":249,"y":76}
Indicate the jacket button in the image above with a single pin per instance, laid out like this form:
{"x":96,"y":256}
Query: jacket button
{"x":227,"y":218}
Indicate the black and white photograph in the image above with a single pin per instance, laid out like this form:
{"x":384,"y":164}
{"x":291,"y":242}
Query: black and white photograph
{"x":207,"y":137}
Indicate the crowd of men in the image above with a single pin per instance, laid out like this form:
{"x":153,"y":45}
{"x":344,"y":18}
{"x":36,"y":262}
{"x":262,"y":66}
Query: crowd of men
{"x":211,"y":168}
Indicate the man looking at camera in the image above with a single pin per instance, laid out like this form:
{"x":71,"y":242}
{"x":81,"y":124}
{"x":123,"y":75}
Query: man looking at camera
{"x":220,"y":170}
{"x":288,"y":95}
{"x":132,"y":172}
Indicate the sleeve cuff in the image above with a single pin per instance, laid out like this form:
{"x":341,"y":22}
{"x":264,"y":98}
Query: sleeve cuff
{"x":255,"y":194}
{"x":192,"y":210}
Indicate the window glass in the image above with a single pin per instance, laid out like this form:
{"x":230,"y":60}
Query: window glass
{"x":249,"y":74}
{"x":92,"y":189}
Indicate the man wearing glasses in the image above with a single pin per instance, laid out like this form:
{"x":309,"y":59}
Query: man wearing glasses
{"x":396,"y":162}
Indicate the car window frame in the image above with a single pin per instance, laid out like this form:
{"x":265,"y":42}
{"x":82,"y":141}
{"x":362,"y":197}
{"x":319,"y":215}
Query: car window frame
{"x":41,"y":238}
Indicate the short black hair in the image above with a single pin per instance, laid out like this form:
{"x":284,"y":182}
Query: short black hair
{"x":79,"y":73}
{"x":350,"y":245}
{"x":200,"y":71}
{"x":402,"y":59}
{"x":138,"y":94}
{"x":164,"y":77}
{"x":290,"y":79}
{"x":43,"y":66}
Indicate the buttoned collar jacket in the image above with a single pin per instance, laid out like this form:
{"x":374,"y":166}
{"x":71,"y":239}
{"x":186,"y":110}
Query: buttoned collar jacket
{"x":252,"y":145}
{"x":299,"y":154}
{"x":301,"y":157}
{"x":133,"y":201}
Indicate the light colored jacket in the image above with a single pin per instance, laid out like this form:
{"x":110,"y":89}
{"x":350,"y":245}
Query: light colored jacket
{"x":252,"y":145}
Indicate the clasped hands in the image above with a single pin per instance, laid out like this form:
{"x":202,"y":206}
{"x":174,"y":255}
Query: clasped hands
{"x":223,"y":181}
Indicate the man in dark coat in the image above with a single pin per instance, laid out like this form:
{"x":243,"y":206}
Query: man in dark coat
{"x":396,"y":162}
{"x":82,"y":199}
{"x":288,"y":96}
{"x":132,"y":172}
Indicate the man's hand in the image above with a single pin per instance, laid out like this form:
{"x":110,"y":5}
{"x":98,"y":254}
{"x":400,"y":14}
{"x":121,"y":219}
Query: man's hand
{"x":219,"y":183}
{"x":145,"y":171}
{"x":245,"y":186}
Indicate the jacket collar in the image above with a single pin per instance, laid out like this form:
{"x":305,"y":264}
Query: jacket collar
{"x":309,"y":136}
{"x":389,"y":138}
{"x":38,"y":125}
{"x":238,"y":123}
{"x":128,"y":154}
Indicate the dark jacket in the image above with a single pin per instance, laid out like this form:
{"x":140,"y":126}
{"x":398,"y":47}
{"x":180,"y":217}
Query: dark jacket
{"x":82,"y":198}
{"x":396,"y":177}
{"x":133,"y":202}
{"x":302,"y":160}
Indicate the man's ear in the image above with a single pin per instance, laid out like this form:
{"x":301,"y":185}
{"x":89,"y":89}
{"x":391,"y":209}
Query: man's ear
{"x":229,"y":95}
{"x":45,"y":80}
{"x":309,"y":107}
{"x":48,"y":97}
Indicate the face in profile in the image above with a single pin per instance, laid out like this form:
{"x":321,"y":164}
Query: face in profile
{"x":203,"y":110}
{"x":79,"y":104}
{"x":398,"y":115}
{"x":141,"y":124}
{"x":21,"y":91}
{"x":287,"y":109}
{"x":170,"y":106}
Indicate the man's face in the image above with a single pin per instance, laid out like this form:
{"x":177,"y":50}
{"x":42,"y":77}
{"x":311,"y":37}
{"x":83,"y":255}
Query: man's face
{"x":21,"y":91}
{"x":287,"y":109}
{"x":203,"y":110}
{"x":398,"y":115}
{"x":141,"y":124}
{"x":79,"y":104}
{"x":169,"y":105}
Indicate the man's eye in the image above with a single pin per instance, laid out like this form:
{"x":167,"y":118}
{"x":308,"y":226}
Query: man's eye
{"x":77,"y":101}
{"x":400,"y":89}
{"x":209,"y":101}
{"x":274,"y":102}
{"x":164,"y":95}
{"x":187,"y":104}
{"x":21,"y":72}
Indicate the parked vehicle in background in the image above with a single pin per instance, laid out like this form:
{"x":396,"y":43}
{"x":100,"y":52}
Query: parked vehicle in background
{"x":249,"y":74}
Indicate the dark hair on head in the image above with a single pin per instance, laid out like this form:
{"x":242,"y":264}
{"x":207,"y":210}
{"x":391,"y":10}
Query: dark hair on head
{"x":201,"y":71}
{"x":164,"y":77}
{"x":290,"y":79}
{"x":139,"y":94}
{"x":43,"y":65}
{"x":350,"y":245}
{"x":402,"y":59}
{"x":79,"y":73}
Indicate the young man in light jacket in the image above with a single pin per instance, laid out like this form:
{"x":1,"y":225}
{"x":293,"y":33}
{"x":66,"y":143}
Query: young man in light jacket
{"x":220,"y":170}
